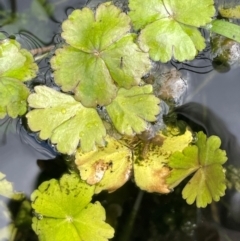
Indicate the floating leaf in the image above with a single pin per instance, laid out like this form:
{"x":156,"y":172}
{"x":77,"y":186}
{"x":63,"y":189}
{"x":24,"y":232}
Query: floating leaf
{"x":205,"y":159}
{"x":108,"y":167}
{"x":169,"y":27}
{"x":6,"y":189}
{"x":132,"y":108}
{"x":65,"y":121}
{"x":64,"y":211}
{"x":150,"y":169}
{"x":13,"y":95}
{"x":102,"y":53}
{"x":16,"y":66}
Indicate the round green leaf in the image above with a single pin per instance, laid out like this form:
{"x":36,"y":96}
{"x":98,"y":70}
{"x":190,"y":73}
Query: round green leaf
{"x":96,"y":31}
{"x":64,"y":211}
{"x":102,"y":54}
{"x":169,"y":27}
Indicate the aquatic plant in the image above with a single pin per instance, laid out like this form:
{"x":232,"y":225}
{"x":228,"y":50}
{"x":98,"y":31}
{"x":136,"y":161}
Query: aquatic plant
{"x":108,"y":117}
{"x":205,"y":159}
{"x":16,"y":66}
{"x":64,"y":211}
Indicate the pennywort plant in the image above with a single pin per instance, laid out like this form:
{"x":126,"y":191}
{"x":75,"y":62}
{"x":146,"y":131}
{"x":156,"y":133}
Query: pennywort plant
{"x":100,"y":66}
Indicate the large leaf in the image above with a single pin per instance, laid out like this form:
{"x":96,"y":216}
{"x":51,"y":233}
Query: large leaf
{"x":108,"y":167}
{"x":65,"y":121}
{"x":205,"y":159}
{"x":16,"y":66}
{"x":101,"y":54}
{"x":150,"y":160}
{"x":132,"y":108}
{"x":169,"y":27}
{"x":64,"y":211}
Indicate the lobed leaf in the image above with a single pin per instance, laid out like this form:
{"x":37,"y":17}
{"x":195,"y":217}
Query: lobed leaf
{"x":13,"y":95}
{"x":169,"y":27}
{"x":107,"y":167}
{"x":132,"y":108}
{"x":16,"y":63}
{"x":65,"y":121}
{"x":64,"y":211}
{"x":205,"y":159}
{"x":16,"y":66}
{"x":150,"y":170}
{"x":101,"y":55}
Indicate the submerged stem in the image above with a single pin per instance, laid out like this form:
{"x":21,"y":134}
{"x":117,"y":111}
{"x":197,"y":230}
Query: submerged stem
{"x":131,"y":219}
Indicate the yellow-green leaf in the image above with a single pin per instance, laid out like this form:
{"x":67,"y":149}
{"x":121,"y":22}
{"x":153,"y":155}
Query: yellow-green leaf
{"x":107,"y":167}
{"x":150,"y":170}
{"x":64,"y":121}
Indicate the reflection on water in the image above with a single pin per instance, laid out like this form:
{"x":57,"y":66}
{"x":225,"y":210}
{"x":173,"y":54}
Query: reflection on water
{"x":19,"y":153}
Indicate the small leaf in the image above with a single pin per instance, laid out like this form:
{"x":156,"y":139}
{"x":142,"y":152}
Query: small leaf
{"x":13,"y":95}
{"x":169,"y":27}
{"x":205,"y":159}
{"x":64,"y":211}
{"x":101,"y":54}
{"x":150,"y":169}
{"x":132,"y":108}
{"x":16,"y":66}
{"x":6,"y":189}
{"x":16,"y":63}
{"x":108,"y":167}
{"x":65,"y":121}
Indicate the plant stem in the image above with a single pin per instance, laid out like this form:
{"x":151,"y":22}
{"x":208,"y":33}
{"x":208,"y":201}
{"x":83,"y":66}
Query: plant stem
{"x":41,"y":53}
{"x":127,"y":230}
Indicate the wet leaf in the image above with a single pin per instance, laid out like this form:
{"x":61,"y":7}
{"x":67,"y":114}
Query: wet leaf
{"x":101,"y":54}
{"x":16,"y":66}
{"x":108,"y":167}
{"x":7,"y":190}
{"x":169,"y":27}
{"x":132,"y":108}
{"x":64,"y":211}
{"x":150,"y":169}
{"x":205,"y":159}
{"x":64,"y":121}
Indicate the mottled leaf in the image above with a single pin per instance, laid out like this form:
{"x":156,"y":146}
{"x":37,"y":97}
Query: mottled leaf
{"x":150,"y":169}
{"x":64,"y":211}
{"x":108,"y":167}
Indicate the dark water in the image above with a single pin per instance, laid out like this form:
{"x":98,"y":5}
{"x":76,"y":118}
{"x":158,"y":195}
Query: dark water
{"x":211,"y":104}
